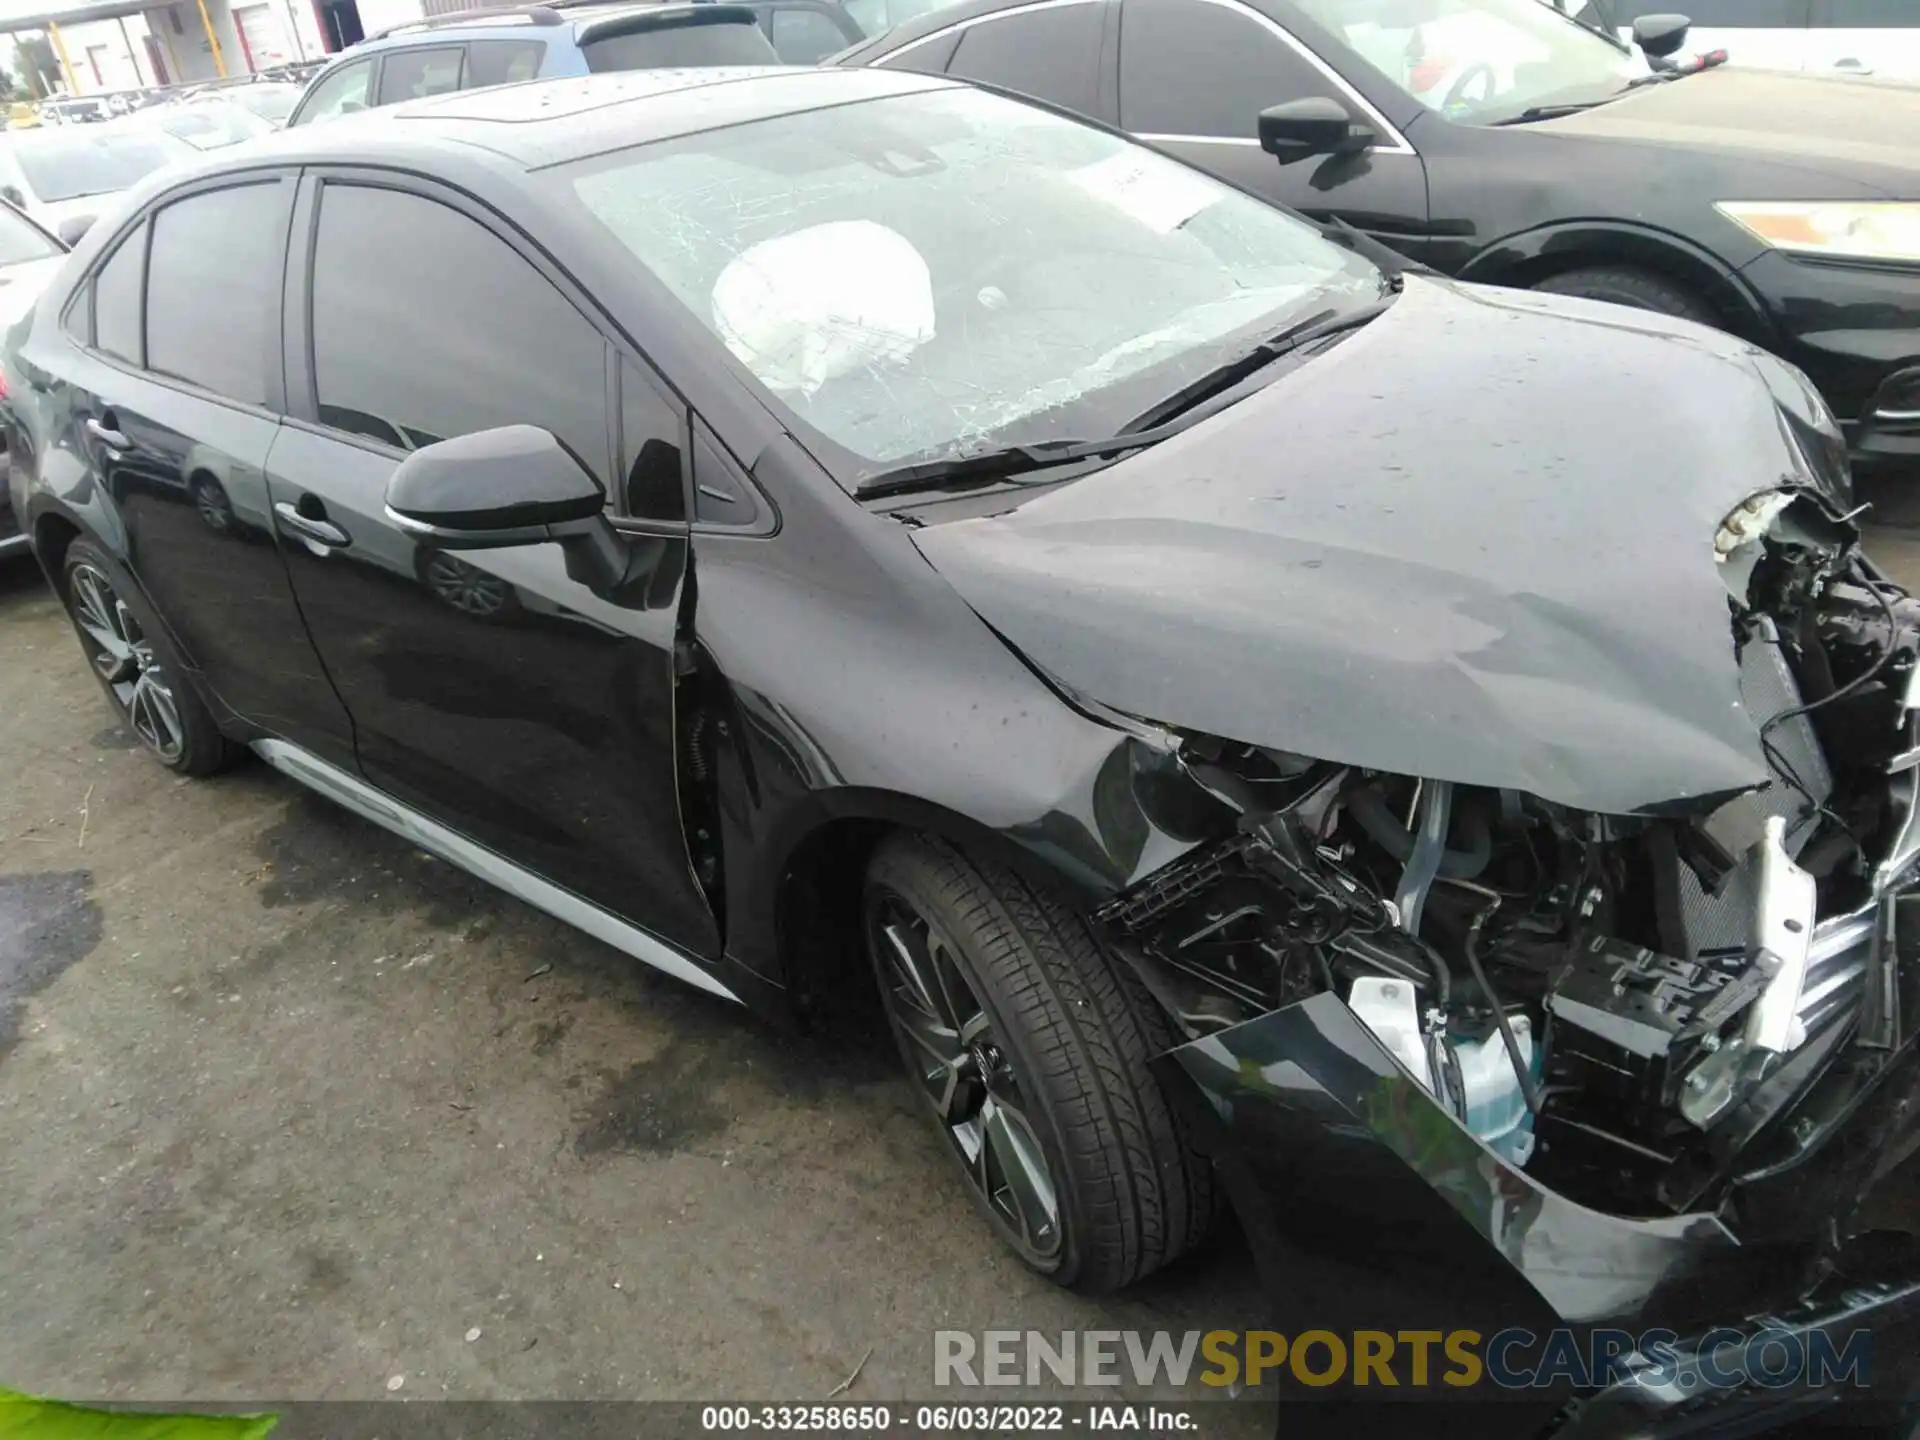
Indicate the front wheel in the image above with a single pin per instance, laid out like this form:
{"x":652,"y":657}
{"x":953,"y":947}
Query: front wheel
{"x":1029,"y":1045}
{"x":1635,"y":288}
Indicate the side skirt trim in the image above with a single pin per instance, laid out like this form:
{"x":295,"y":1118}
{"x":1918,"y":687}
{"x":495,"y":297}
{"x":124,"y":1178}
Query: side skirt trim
{"x":456,"y":849}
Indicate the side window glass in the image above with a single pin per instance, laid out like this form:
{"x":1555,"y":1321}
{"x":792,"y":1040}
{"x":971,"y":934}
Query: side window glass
{"x":427,"y":325}
{"x":652,"y":457}
{"x":217,"y":254}
{"x":802,"y":36}
{"x":116,"y":299}
{"x":1053,"y":55}
{"x":1192,"y":67}
{"x":340,"y":93}
{"x":502,"y":62}
{"x":415,"y":74}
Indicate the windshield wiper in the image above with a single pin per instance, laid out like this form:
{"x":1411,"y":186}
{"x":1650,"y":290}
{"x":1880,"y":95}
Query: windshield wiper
{"x":1554,"y":112}
{"x":984,"y":467}
{"x":1318,"y":326}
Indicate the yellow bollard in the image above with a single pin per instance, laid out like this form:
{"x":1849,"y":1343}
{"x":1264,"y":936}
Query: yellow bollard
{"x":219,"y":60}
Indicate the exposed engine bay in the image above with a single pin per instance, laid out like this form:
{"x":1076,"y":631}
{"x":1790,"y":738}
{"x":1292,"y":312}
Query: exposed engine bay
{"x":1626,"y":1006}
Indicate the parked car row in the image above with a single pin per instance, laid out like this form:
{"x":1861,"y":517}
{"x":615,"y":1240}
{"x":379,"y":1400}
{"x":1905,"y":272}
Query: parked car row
{"x":253,"y":91}
{"x":498,"y":45}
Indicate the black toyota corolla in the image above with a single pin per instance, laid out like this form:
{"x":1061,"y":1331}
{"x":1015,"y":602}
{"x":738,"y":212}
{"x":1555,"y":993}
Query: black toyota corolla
{"x":1258,"y":723}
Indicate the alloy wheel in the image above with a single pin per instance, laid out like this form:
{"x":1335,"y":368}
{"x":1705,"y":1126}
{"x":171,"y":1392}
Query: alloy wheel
{"x":465,"y":587}
{"x":215,"y":510}
{"x":124,"y":658}
{"x":966,"y":1075}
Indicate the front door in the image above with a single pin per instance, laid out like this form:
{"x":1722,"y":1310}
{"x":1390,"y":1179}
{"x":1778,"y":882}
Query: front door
{"x":487,"y":688}
{"x":1194,"y":77}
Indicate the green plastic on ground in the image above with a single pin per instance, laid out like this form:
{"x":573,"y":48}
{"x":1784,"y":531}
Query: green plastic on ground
{"x":22,"y":1417}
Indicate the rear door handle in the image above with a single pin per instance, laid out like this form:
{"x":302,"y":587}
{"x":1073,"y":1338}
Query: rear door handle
{"x":321,"y":532}
{"x":107,"y":435}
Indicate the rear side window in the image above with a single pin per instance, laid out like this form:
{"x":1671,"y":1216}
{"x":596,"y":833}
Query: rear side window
{"x":1052,"y":55}
{"x":690,"y":43}
{"x":116,"y":299}
{"x":340,"y":93}
{"x":213,"y":287}
{"x":426,"y":325}
{"x":416,"y":74}
{"x":802,"y":36}
{"x":502,"y":62}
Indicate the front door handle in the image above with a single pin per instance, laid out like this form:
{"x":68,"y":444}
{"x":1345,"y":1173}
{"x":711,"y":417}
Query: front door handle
{"x":321,"y":532}
{"x":1851,"y":66}
{"x":107,"y":435}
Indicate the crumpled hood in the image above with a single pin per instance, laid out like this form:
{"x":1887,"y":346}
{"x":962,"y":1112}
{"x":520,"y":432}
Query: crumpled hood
{"x":1829,"y":132}
{"x":1474,"y":541}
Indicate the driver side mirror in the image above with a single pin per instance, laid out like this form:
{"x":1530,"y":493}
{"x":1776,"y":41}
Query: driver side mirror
{"x":1660,"y":35}
{"x":73,"y":229}
{"x":1318,"y":125}
{"x":515,"y":485}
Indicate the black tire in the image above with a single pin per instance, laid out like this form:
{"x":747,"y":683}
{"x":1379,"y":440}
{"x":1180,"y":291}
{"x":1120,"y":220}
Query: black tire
{"x":1640,"y":289}
{"x":1075,"y":1029}
{"x":137,"y":667}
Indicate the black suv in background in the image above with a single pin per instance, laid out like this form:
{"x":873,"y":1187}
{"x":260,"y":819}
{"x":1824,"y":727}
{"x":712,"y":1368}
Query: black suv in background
{"x":1500,"y":141}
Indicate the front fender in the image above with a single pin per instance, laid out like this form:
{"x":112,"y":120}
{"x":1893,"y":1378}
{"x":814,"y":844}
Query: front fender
{"x":1527,"y":256}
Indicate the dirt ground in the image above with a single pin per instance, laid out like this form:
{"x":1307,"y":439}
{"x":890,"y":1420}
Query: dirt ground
{"x":291,"y":1111}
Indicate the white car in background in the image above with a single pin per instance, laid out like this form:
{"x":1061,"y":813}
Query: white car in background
{"x":1841,"y":37}
{"x":64,"y":177}
{"x":29,"y":257}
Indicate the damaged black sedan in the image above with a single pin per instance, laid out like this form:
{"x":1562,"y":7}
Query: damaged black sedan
{"x":1431,"y":762}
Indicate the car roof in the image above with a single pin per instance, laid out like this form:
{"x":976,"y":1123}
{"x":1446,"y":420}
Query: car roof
{"x":548,"y":122}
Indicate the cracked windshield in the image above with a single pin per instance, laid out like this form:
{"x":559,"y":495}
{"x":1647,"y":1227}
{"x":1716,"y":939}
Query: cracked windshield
{"x":922,"y":276}
{"x":1481,"y":61}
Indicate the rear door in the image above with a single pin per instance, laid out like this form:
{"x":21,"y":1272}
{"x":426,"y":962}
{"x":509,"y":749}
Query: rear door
{"x":1866,"y":37}
{"x":488,"y":689}
{"x":173,"y":384}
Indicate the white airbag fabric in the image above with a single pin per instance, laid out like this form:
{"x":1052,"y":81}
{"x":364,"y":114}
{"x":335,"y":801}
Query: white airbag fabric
{"x":805,"y":308}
